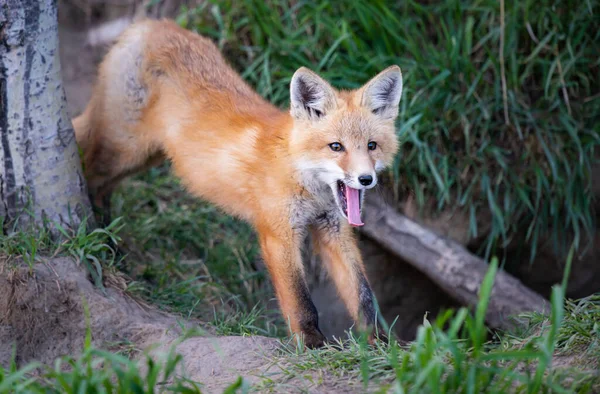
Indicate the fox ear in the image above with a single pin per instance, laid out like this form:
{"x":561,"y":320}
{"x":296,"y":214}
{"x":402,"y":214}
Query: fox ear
{"x":382,"y":93}
{"x":311,"y":96}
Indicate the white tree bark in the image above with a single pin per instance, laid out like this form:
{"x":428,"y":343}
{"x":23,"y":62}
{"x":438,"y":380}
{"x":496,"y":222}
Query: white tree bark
{"x":40,"y":169}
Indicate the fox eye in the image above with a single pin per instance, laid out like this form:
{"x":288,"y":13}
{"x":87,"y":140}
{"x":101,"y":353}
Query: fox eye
{"x":372,"y":145}
{"x":336,"y":147}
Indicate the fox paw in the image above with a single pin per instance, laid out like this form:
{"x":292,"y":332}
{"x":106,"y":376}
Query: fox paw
{"x":314,"y":341}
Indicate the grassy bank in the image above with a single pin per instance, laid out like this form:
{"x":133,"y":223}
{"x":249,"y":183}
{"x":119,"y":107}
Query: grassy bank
{"x":559,"y":353}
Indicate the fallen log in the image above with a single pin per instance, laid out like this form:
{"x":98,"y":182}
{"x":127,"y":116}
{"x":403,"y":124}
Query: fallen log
{"x":447,"y":263}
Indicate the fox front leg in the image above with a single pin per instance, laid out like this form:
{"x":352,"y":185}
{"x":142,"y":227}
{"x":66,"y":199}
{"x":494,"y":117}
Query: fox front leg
{"x":339,"y":251}
{"x":281,"y":253}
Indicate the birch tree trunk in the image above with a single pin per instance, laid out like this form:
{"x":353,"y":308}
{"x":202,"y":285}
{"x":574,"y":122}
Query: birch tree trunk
{"x":40,"y":169}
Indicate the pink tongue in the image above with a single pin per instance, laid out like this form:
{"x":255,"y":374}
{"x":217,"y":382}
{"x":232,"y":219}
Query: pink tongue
{"x":352,"y":200}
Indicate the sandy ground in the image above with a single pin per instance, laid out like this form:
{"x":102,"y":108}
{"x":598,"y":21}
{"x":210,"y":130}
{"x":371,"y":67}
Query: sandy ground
{"x":42,"y":314}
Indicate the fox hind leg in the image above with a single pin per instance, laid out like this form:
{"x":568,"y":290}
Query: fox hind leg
{"x":109,"y":157}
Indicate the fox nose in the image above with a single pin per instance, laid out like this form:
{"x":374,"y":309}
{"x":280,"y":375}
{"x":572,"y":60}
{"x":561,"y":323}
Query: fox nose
{"x":365,"y":180}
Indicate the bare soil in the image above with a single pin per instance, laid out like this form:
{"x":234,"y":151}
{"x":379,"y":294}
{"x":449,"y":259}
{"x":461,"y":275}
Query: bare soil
{"x":42,"y":317}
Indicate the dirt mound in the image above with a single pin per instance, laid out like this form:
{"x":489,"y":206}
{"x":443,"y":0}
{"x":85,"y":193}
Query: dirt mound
{"x":42,"y":317}
{"x":42,"y":312}
{"x":216,"y":362}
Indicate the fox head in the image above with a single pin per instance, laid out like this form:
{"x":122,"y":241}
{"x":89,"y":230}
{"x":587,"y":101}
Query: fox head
{"x":344,"y":138}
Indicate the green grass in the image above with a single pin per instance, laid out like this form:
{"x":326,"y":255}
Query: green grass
{"x":186,"y":256}
{"x":34,"y":244}
{"x":579,"y":333}
{"x":99,"y":371}
{"x":451,"y":355}
{"x":527,"y":167}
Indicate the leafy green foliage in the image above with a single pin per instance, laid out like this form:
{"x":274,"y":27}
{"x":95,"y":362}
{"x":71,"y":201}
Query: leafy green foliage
{"x":35,"y":243}
{"x":528,"y":170}
{"x":98,"y":371}
{"x":28,"y":244}
{"x":452,"y":355}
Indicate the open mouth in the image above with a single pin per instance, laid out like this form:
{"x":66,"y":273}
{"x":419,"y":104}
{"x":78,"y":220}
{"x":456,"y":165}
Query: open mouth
{"x":350,"y":202}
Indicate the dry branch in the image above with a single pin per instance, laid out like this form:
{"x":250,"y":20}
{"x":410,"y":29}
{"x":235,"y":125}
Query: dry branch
{"x":448,"y":264}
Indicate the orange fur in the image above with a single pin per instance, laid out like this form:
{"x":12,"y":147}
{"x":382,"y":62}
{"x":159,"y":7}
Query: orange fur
{"x":164,"y":92}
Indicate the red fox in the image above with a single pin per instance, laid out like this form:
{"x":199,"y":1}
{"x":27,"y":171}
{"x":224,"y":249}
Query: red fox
{"x":167,"y":93}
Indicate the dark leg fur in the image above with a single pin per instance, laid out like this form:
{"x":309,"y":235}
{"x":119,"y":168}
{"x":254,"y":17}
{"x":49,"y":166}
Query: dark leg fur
{"x":309,"y":317}
{"x":368,"y":311}
{"x":105,"y":210}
